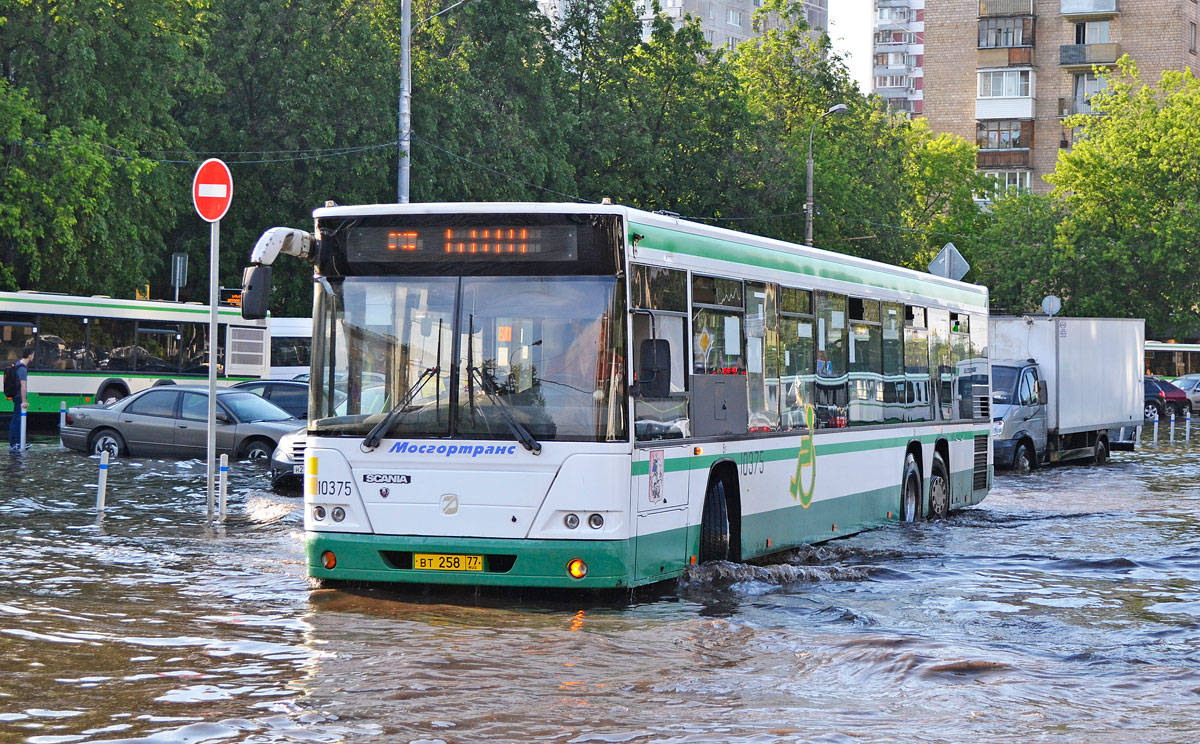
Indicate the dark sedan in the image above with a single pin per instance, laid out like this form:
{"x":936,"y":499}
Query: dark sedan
{"x":290,"y":395}
{"x":171,"y":421}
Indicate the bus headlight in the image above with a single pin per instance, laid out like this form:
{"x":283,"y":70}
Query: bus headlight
{"x":318,"y":513}
{"x":571,"y":521}
{"x":596,"y":521}
{"x":338,"y":513}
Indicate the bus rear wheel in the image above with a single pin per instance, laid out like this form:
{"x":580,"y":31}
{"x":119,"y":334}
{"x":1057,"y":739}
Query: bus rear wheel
{"x":939,"y":488}
{"x":714,"y":525}
{"x":910,"y":490}
{"x":110,"y":394}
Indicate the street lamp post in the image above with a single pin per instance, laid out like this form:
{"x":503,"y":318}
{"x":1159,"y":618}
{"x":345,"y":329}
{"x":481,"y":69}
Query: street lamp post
{"x":839,"y":108}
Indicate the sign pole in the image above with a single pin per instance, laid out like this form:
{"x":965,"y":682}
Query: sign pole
{"x":212,"y":191}
{"x":214,"y":250}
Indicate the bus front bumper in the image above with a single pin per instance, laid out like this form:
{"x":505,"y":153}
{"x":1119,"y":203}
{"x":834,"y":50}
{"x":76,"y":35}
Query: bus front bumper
{"x":527,"y":563}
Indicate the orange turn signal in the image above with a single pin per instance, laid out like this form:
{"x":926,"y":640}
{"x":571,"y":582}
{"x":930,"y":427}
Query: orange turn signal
{"x":576,"y":568}
{"x":328,"y":559}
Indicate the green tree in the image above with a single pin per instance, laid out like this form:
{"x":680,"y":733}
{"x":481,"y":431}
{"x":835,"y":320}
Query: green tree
{"x":1014,"y":252}
{"x":88,"y":90}
{"x":1129,"y":190}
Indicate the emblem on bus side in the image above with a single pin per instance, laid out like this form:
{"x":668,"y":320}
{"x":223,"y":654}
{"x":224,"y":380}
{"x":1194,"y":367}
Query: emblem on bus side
{"x":806,"y":457}
{"x":449,"y":504}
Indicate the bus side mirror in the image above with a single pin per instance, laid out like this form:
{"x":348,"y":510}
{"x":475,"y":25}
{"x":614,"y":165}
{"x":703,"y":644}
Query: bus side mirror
{"x":256,"y":292}
{"x":654,"y":368}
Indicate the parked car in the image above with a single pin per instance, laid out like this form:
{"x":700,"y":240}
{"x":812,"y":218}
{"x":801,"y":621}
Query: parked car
{"x":1162,"y":398}
{"x":290,"y":395}
{"x":1190,"y":385}
{"x":171,"y":421}
{"x":287,"y":462}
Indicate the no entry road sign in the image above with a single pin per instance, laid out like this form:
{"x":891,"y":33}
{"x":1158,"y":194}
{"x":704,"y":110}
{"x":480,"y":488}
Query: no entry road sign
{"x":212,"y":190}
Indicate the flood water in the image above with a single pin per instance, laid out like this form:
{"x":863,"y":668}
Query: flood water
{"x":1065,"y":608}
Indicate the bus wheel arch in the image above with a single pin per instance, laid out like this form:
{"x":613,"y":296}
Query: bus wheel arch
{"x":111,"y":390}
{"x":721,"y":520}
{"x":939,"y":480}
{"x":912,"y":485}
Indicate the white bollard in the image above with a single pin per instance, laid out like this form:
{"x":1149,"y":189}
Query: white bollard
{"x":24,"y":419}
{"x":103,"y":485}
{"x":1187,"y":424}
{"x":224,"y":493}
{"x":62,"y":421}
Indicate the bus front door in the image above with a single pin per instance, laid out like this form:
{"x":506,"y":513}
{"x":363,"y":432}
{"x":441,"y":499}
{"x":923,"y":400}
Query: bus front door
{"x":661,"y":495}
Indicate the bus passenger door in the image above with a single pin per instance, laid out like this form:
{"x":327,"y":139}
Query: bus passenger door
{"x":661,"y":496}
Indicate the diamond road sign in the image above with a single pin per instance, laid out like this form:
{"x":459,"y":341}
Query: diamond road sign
{"x":949,"y":263}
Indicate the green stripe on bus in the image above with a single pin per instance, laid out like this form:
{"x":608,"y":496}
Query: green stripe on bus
{"x":39,"y":300}
{"x":703,"y":246}
{"x":701,"y":462}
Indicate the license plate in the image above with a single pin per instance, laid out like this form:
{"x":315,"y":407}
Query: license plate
{"x":298,"y":469}
{"x":444,"y":562}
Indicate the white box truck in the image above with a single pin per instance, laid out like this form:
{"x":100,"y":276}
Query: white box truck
{"x":1064,"y":388}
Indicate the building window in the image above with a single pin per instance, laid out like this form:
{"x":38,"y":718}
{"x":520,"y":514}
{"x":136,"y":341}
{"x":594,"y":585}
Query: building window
{"x":1192,"y":38}
{"x":891,"y":81}
{"x":1085,"y":86}
{"x":1001,"y":32}
{"x":712,"y":11}
{"x":1004,"y":83}
{"x":733,"y":17}
{"x":1005,"y":134}
{"x":1008,"y":181}
{"x":1092,"y":32}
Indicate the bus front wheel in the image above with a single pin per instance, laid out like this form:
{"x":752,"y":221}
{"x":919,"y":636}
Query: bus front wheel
{"x":910,"y":490}
{"x":714,"y":525}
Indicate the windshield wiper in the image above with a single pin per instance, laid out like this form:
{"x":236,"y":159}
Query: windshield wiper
{"x":381,"y":429}
{"x":519,"y":432}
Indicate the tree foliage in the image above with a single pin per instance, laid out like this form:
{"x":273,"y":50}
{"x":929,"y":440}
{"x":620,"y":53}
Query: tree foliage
{"x":106,"y":109}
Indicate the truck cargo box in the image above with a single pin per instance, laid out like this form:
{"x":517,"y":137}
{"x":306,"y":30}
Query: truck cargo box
{"x":1092,"y":367}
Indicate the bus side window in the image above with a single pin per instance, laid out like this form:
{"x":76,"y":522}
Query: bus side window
{"x":762,"y":351}
{"x":797,"y":357}
{"x":832,"y":385}
{"x":916,"y":365}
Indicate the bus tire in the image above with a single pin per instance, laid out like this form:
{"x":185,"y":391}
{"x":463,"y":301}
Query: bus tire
{"x":714,"y":524}
{"x":111,"y":394}
{"x":939,"y":488}
{"x":910,"y":490}
{"x":107,"y":440}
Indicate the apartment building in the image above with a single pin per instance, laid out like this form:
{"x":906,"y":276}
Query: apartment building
{"x":1004,"y":73}
{"x":899,"y":54}
{"x":725,"y":22}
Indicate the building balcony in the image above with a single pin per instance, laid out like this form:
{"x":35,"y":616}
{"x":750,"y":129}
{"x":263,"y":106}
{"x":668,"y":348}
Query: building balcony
{"x":996,"y":8}
{"x":1072,"y":106}
{"x":1016,"y":107}
{"x":1089,"y":7}
{"x":1086,"y":55}
{"x":993,"y":159}
{"x":1006,"y":57}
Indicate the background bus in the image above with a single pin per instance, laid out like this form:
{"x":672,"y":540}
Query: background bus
{"x":291,"y":346}
{"x":99,"y":349}
{"x":594,"y":396}
{"x":1172,"y":360}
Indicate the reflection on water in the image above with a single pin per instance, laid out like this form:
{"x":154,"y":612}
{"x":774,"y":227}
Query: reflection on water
{"x":1065,"y":607}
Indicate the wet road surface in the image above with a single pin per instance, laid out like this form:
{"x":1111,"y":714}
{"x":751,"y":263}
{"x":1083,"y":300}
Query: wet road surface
{"x":1065,"y":608}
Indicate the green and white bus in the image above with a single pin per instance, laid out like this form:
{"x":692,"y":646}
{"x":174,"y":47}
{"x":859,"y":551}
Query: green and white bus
{"x":100,"y":349}
{"x":1171,"y":360}
{"x":565,"y":395}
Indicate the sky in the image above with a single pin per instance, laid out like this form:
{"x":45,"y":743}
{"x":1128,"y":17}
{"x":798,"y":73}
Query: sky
{"x":850,"y":30}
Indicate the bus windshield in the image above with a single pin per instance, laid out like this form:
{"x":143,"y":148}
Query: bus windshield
{"x":457,"y":357}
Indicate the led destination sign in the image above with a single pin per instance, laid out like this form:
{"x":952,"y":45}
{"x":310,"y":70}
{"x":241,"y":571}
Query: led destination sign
{"x":499,"y":243}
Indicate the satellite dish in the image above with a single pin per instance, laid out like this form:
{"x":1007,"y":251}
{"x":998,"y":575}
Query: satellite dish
{"x":1051,"y":305}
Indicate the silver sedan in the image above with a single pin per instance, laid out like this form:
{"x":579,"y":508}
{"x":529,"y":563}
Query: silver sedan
{"x":171,"y":421}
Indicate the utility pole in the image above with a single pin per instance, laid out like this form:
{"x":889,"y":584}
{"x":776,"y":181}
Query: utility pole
{"x":405,"y":141}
